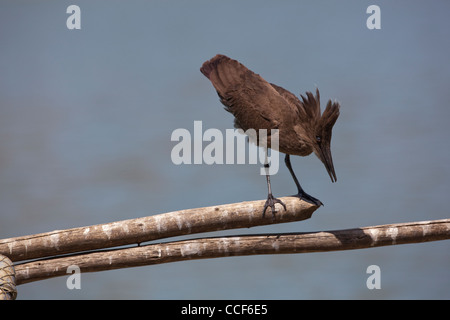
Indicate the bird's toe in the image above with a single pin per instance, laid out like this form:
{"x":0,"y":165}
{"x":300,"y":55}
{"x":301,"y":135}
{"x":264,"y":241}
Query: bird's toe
{"x":306,"y":197}
{"x":270,"y":202}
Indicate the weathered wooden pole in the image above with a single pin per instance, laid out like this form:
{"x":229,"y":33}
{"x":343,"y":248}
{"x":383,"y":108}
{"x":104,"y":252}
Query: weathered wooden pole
{"x":205,"y":248}
{"x":134,"y":231}
{"x":8,"y":289}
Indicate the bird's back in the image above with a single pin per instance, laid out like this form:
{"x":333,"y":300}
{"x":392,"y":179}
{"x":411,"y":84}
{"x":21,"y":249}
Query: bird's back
{"x":255,"y":103}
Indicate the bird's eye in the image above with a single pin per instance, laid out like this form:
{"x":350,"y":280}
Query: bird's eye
{"x":318,"y":138}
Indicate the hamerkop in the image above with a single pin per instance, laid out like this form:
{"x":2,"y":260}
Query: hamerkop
{"x":257,"y":104}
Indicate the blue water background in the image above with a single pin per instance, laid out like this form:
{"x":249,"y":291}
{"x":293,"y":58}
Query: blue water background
{"x":86,"y":118}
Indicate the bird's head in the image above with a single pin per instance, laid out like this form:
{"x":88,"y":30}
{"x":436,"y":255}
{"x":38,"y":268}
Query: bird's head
{"x":321,"y":128}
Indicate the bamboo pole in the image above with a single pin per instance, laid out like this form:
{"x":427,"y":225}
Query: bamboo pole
{"x":205,"y":248}
{"x":134,"y":231}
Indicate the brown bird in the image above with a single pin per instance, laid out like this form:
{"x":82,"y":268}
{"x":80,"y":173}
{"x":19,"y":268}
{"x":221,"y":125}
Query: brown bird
{"x":257,"y":104}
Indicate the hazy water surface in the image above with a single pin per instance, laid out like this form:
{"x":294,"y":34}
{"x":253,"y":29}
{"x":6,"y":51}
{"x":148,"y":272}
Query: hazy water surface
{"x":86,"y":118}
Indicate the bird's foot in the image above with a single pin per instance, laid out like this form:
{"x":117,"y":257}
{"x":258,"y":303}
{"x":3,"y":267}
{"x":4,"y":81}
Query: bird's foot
{"x":270,"y":202}
{"x":306,"y":197}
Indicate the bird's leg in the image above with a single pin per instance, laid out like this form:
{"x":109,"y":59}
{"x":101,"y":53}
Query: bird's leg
{"x":271,"y":200}
{"x":301,"y":194}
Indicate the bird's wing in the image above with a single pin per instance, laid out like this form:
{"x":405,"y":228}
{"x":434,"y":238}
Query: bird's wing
{"x":252,"y":100}
{"x":308,"y":108}
{"x":293,"y":101}
{"x":287,"y":95}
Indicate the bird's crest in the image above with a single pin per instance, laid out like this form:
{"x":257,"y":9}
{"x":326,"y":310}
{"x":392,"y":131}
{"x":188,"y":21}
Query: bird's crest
{"x":310,"y":109}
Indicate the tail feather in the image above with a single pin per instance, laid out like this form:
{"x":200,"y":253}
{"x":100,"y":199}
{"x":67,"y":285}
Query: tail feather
{"x":223,"y":72}
{"x":210,"y":65}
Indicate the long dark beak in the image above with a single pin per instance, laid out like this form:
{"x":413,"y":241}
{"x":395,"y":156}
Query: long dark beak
{"x":325,"y":157}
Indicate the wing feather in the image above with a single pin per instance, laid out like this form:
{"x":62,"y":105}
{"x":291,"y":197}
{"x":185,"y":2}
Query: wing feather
{"x":252,"y":100}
